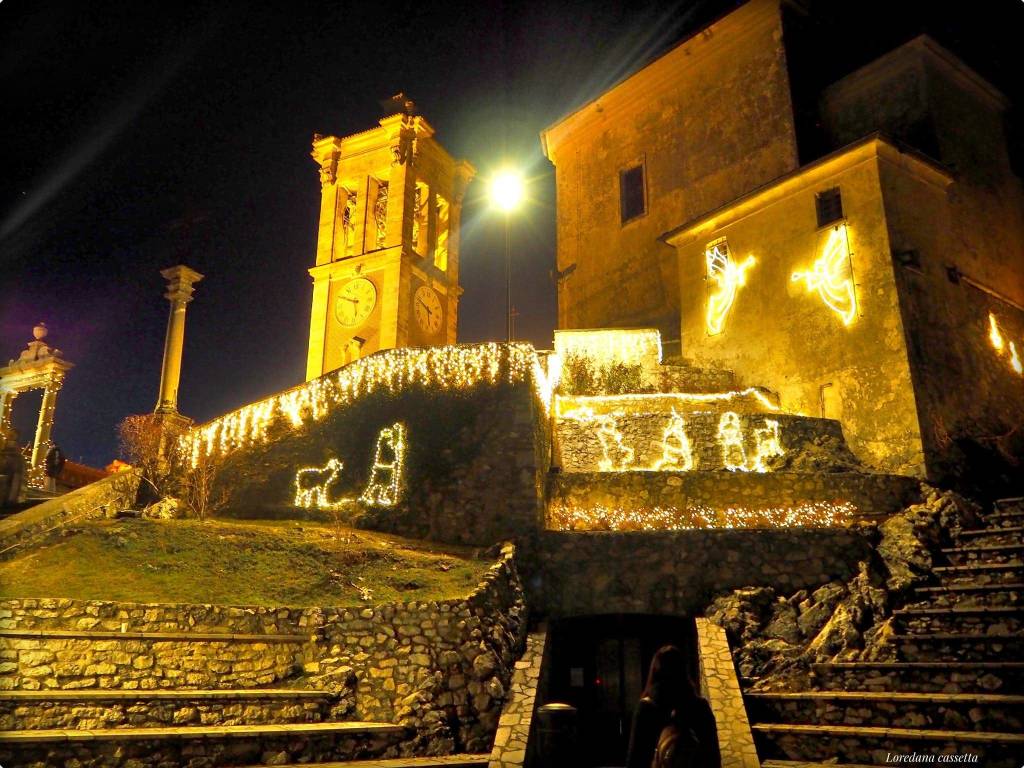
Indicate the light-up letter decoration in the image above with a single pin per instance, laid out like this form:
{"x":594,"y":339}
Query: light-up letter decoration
{"x":832,"y":276}
{"x":730,"y":437}
{"x":727,"y":277}
{"x":385,"y":485}
{"x":676,"y":452}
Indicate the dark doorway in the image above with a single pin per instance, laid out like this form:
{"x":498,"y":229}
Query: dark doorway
{"x":599,"y":665}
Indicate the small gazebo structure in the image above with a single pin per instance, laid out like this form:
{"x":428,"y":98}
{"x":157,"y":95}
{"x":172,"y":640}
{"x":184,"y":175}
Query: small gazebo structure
{"x":39,"y":366}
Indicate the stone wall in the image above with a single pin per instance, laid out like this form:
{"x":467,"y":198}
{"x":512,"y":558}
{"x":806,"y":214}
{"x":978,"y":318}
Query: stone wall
{"x":674,"y":572}
{"x":441,"y":668}
{"x":100,"y":499}
{"x":51,"y":661}
{"x":667,"y":117}
{"x":970,"y":397}
{"x":781,"y":336}
{"x":642,"y":431}
{"x":700,"y":494}
{"x":473,"y":470}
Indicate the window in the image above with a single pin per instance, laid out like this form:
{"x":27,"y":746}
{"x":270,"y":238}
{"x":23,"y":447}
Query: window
{"x":829,"y":205}
{"x":632,"y":200}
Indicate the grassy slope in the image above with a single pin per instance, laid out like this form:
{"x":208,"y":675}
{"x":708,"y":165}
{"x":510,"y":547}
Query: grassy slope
{"x":233,"y":563}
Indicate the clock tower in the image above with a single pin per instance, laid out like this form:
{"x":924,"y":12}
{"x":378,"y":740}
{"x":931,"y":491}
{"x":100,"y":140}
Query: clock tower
{"x":387,"y":257}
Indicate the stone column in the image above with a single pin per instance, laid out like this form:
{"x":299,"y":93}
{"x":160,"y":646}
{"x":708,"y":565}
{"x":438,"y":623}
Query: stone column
{"x":180,"y":280}
{"x":6,"y":405}
{"x":44,"y":428}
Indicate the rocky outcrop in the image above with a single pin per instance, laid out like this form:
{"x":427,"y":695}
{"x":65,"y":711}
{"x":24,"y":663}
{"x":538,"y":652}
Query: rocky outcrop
{"x":777,"y":637}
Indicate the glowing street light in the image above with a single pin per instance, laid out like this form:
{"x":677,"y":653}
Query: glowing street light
{"x":507,"y":190}
{"x":507,"y":194}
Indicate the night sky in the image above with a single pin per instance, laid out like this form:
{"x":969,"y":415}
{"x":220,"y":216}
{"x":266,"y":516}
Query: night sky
{"x":136,"y":135}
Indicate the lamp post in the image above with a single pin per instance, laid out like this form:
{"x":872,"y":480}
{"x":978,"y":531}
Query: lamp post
{"x":506,"y":194}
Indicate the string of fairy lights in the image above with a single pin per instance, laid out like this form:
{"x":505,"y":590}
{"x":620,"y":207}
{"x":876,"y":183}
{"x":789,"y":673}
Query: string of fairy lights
{"x":1001,"y":345}
{"x":564,"y":517}
{"x":437,"y":368}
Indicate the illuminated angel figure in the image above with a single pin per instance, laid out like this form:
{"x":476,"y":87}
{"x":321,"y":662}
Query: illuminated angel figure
{"x":676,"y":452}
{"x":730,"y":437}
{"x":728,"y":277}
{"x":769,"y":445}
{"x":994,"y":336}
{"x":312,"y":486}
{"x":385,"y":485}
{"x":832,"y":276}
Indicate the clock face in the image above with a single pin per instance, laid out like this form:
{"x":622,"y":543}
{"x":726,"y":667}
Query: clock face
{"x":355,"y":302}
{"x":427,"y":308}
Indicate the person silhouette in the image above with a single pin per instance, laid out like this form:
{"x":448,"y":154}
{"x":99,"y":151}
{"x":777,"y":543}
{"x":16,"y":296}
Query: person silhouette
{"x":673,"y":726}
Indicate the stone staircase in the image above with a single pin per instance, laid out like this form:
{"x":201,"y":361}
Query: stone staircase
{"x":956,"y":686}
{"x":112,"y":699}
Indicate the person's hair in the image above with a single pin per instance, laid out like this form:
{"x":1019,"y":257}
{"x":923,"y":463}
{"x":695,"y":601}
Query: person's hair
{"x":668,"y":680}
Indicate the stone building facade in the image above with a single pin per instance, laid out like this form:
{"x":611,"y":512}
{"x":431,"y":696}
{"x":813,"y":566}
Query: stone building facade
{"x":878,"y":280}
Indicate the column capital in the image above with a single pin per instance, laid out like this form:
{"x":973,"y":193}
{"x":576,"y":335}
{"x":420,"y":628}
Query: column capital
{"x":180,"y":280}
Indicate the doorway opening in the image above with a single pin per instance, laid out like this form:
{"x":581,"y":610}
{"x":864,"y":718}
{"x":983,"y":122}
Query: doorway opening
{"x":599,"y":665}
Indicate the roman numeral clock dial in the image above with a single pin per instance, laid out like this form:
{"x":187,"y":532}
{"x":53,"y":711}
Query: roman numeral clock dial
{"x":427,"y":309}
{"x":355,"y":302}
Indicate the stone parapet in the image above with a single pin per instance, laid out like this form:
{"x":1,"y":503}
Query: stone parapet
{"x":103,"y":498}
{"x":720,"y":686}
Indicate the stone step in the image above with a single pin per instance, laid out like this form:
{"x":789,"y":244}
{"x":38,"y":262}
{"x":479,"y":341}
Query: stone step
{"x":921,"y":676}
{"x":441,"y":761}
{"x":958,"y":646}
{"x":33,"y":659}
{"x":986,"y":532}
{"x":212,"y":746}
{"x":1007,"y":536}
{"x":871,"y":744}
{"x":1015,"y":503}
{"x":969,"y":595}
{"x":997,"y":520}
{"x":805,"y":764}
{"x":986,"y":553}
{"x":897,"y":709}
{"x":89,"y":709}
{"x":979,"y":573}
{"x":979,"y":619}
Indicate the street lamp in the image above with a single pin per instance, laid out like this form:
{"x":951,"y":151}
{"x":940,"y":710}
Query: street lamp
{"x":506,"y":194}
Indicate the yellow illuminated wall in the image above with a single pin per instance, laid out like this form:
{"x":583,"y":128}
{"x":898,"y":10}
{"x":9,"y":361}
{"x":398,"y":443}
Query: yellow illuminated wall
{"x":819,"y":312}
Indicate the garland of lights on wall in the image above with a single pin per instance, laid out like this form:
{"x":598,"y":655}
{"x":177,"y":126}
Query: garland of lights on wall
{"x":438,"y":368}
{"x":383,"y":489}
{"x":676,"y":450}
{"x":728,"y":276}
{"x":603,"y":518}
{"x":832,"y":276}
{"x":999,"y":344}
